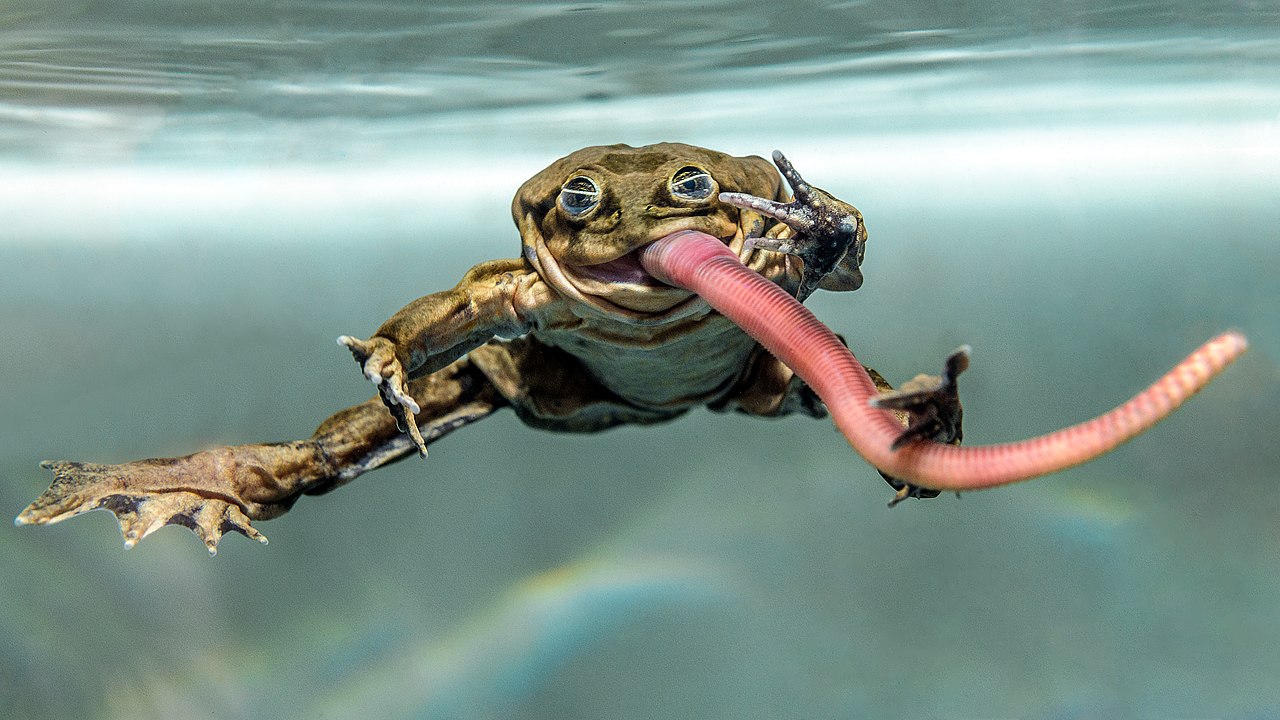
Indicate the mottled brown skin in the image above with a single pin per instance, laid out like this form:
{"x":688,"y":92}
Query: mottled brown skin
{"x":572,"y":336}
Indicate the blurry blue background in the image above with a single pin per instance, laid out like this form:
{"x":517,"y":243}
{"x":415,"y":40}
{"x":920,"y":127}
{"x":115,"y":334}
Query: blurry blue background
{"x":196,"y":198}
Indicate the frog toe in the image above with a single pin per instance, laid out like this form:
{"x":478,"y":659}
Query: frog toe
{"x":70,"y":494}
{"x":906,"y":490}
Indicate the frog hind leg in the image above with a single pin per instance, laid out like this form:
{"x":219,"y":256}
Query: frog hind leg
{"x":225,"y":489}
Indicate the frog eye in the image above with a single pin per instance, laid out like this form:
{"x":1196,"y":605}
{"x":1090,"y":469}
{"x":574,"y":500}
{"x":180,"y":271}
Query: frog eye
{"x":579,"y":196}
{"x":692,"y":183}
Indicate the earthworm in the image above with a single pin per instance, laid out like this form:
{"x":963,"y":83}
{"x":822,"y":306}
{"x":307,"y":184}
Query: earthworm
{"x":702,"y":264}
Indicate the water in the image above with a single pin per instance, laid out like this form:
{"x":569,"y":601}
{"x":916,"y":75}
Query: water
{"x":195,"y":200}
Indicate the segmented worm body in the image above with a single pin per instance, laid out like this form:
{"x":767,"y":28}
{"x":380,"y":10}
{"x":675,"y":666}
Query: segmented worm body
{"x":702,"y":264}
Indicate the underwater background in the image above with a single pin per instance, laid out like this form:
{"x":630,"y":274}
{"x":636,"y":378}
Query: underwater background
{"x":196,"y":198}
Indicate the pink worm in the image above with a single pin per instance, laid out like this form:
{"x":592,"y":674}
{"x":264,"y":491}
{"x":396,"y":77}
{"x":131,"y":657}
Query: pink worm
{"x":703,"y":264}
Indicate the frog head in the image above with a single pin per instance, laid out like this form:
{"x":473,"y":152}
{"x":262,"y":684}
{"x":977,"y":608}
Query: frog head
{"x":582,"y":218}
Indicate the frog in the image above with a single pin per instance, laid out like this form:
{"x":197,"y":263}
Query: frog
{"x":572,"y":336}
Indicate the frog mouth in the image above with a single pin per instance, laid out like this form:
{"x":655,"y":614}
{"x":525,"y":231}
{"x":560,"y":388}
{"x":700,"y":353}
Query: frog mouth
{"x":623,"y":280}
{"x":621,"y":271}
{"x":606,"y":278}
{"x":620,"y":288}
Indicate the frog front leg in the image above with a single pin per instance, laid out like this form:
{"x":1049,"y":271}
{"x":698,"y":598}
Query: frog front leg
{"x":499,"y":298}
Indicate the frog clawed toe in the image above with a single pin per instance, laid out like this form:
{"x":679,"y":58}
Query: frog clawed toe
{"x":378,"y":363}
{"x":906,"y":490}
{"x":406,"y":422}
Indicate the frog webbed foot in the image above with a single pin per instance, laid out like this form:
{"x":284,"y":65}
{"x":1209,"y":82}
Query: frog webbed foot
{"x":932,"y":407}
{"x":829,"y":234}
{"x":81,"y":487}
